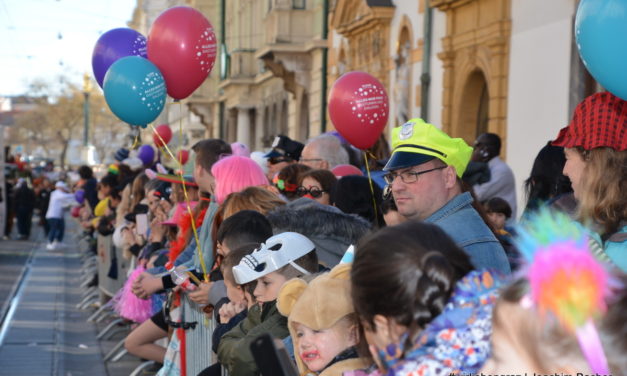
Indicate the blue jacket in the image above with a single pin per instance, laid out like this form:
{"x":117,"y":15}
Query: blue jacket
{"x":464,"y":225}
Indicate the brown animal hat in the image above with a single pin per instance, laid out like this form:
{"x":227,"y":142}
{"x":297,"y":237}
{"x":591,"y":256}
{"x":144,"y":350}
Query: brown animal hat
{"x":319,"y":304}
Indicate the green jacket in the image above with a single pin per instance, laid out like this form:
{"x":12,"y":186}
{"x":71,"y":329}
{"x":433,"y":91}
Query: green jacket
{"x":234,"y":349}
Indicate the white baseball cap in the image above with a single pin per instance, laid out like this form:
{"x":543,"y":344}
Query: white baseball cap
{"x":60,"y":184}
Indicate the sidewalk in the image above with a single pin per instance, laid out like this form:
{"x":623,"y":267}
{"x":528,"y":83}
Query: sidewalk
{"x":47,"y":334}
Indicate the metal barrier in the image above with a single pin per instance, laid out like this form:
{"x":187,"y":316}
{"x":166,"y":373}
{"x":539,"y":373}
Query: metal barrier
{"x":198,"y":339}
{"x":112,"y":267}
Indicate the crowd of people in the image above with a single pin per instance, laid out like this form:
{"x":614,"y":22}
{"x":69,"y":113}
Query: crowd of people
{"x":425,"y":267}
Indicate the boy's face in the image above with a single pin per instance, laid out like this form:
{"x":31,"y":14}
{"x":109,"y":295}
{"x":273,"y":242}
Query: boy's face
{"x":234,"y":292}
{"x":317,"y":348}
{"x":498,"y":220}
{"x":268,"y":287}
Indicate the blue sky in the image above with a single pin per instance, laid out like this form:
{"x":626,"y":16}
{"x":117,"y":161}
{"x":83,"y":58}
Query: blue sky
{"x":48,"y":38}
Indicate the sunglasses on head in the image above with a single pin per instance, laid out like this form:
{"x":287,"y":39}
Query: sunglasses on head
{"x":313,"y":192}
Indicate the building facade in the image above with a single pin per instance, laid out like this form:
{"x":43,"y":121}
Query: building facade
{"x":469,"y":66}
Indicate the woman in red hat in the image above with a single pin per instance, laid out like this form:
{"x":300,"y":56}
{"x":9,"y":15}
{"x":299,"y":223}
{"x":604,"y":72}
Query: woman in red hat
{"x":595,"y":145}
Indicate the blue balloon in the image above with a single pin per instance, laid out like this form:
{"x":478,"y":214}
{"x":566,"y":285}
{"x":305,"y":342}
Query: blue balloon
{"x":113,"y":45}
{"x":135,"y":90}
{"x":601,"y":34}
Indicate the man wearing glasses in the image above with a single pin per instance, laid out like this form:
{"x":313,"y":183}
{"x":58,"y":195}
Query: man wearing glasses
{"x":284,"y":152}
{"x":424,"y":176}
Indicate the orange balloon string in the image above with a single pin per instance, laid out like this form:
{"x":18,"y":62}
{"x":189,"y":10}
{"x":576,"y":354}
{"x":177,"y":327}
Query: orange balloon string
{"x":189,"y":209}
{"x":374,"y":201}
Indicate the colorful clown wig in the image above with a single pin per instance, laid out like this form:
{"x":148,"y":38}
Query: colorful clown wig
{"x":566,"y":280}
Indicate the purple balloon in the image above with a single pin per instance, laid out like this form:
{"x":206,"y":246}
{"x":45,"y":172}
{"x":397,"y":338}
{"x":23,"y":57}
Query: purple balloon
{"x":114,"y":45}
{"x":79,"y":196}
{"x":147,"y":154}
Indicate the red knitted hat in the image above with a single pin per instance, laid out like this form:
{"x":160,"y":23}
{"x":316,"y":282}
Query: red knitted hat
{"x":599,"y":120}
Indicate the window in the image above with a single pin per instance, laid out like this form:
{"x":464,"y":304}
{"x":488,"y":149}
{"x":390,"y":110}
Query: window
{"x":299,"y":4}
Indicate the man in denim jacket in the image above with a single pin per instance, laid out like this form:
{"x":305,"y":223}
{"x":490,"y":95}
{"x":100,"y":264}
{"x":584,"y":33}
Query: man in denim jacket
{"x":424,"y":176}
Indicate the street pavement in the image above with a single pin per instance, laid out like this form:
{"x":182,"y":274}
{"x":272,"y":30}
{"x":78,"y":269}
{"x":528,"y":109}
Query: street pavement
{"x":46,"y":334}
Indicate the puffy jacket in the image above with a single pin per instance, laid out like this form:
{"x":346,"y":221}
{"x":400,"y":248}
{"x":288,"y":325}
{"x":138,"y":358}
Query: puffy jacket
{"x":330,"y":229}
{"x":234,"y":349}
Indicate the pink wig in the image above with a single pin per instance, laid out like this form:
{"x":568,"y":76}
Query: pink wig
{"x":235,"y":173}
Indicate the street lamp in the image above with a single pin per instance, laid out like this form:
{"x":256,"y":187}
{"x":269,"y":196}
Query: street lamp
{"x":86,"y":91}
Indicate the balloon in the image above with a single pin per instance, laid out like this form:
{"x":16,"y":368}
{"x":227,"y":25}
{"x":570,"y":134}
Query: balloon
{"x":166,"y":134}
{"x":75,"y":211}
{"x":182,"y":156}
{"x":147,"y":154}
{"x":134,"y":90}
{"x":182,"y":44}
{"x":79,"y":196}
{"x":358,"y":107}
{"x":601,"y":33}
{"x":114,"y":45}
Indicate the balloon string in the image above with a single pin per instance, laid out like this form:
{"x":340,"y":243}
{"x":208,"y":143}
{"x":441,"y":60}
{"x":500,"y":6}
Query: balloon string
{"x":189,"y":209}
{"x":136,"y":141}
{"x":374,"y":202}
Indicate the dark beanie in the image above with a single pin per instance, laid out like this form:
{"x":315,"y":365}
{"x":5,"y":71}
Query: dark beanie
{"x":121,"y":154}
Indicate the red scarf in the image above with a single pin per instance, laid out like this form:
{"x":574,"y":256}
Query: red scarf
{"x":185,"y":226}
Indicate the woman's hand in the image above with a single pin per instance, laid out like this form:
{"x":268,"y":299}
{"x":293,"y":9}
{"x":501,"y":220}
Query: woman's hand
{"x":201,"y":294}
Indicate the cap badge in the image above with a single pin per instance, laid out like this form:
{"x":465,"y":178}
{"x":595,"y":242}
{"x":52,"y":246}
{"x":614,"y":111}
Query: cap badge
{"x":407,"y":130}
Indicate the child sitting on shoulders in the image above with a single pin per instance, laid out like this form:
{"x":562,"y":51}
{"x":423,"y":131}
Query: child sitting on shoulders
{"x":322,"y":322}
{"x":282,"y":257}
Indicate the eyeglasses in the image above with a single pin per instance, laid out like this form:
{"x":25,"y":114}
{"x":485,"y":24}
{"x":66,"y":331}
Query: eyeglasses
{"x":314,"y":192}
{"x":304,"y":160}
{"x":275,"y":160}
{"x":408,"y":177}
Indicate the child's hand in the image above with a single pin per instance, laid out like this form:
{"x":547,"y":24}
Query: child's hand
{"x":229,"y":310}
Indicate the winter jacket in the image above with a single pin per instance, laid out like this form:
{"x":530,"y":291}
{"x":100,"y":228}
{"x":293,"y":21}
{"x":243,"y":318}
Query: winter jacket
{"x":331,"y":230}
{"x":234,"y":350}
{"x":457,"y":341}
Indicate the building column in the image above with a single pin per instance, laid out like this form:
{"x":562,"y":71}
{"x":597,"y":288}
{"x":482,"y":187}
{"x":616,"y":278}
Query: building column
{"x":243,"y":126}
{"x":257,"y":143}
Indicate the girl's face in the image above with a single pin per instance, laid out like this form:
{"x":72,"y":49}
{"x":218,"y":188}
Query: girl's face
{"x":312,"y":184}
{"x":574,"y":169}
{"x":317,"y":348}
{"x":268,"y":287}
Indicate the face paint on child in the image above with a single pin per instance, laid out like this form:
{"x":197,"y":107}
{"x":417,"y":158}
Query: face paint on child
{"x":317,"y":348}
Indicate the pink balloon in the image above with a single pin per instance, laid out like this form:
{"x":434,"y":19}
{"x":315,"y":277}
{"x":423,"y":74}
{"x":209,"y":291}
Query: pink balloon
{"x":358,"y":107}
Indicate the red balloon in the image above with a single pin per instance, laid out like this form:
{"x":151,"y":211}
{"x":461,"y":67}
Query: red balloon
{"x":182,"y":44}
{"x":162,"y":132}
{"x":182,"y":156}
{"x":358,"y":107}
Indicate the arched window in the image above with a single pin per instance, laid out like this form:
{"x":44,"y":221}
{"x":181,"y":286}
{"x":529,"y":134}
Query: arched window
{"x":475,"y":107}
